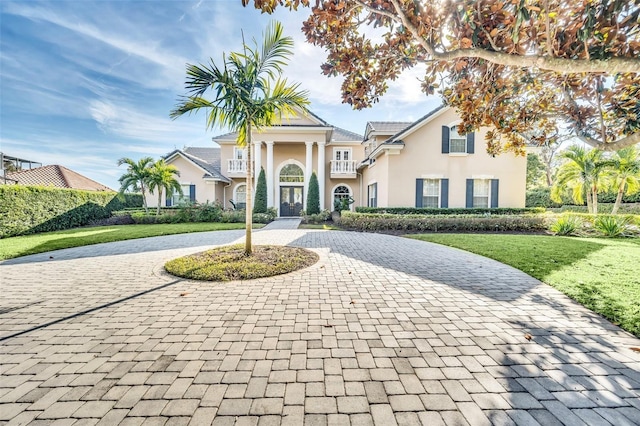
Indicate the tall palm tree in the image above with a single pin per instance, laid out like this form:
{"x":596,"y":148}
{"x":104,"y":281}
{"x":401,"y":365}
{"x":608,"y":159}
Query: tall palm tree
{"x":625,"y":170}
{"x":136,"y":176}
{"x":162,"y":176}
{"x":248,"y":94}
{"x":584,"y":173}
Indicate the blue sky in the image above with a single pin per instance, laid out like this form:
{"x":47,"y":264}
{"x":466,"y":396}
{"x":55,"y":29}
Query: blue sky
{"x":84,"y":83}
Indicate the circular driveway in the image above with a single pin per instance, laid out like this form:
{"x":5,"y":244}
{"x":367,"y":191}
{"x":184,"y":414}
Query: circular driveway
{"x":382,"y":330}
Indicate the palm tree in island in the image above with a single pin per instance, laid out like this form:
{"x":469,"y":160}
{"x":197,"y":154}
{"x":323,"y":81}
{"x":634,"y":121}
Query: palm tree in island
{"x":136,"y":176}
{"x":162,"y":176}
{"x":248,"y":94}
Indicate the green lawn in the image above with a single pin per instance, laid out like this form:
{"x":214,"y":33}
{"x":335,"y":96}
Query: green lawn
{"x":39,"y":243}
{"x":602,"y":274}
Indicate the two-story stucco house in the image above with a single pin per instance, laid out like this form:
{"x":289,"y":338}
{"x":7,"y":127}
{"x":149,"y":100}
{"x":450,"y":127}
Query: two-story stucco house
{"x":426,"y":163}
{"x":396,"y":164}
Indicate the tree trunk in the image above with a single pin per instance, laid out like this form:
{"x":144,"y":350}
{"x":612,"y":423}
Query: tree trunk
{"x":594,"y":196}
{"x":249,"y":206}
{"x":144,"y":199}
{"x":159,"y":200}
{"x":616,"y":206}
{"x":589,"y":202}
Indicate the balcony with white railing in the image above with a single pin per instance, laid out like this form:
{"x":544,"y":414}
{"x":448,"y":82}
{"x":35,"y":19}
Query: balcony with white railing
{"x":236,"y":167}
{"x":343,"y":169}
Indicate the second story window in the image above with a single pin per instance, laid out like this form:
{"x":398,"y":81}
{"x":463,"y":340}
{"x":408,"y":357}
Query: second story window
{"x":457,"y":142}
{"x":239,"y":153}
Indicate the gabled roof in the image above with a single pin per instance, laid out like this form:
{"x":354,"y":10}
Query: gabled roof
{"x":386,"y":127}
{"x":56,"y":176}
{"x":206,"y":158}
{"x":413,"y":126}
{"x":339,"y":134}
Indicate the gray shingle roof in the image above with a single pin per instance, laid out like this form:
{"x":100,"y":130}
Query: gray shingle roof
{"x":343,"y":135}
{"x":207,"y":158}
{"x":389,"y":127}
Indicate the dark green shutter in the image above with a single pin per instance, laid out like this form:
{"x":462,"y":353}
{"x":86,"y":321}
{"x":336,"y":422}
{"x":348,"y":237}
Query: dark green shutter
{"x":444,"y":193}
{"x":470,"y":142}
{"x":168,"y":200}
{"x":494,"y":193}
{"x":369,"y":196}
{"x":469,"y":203}
{"x":419,"y":185}
{"x":445,"y":140}
{"x":192,"y":193}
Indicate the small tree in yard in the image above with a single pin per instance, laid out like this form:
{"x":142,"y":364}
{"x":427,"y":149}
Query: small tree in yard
{"x":162,"y":176}
{"x":625,"y":171}
{"x":584,"y":172}
{"x":248,"y":95}
{"x":313,"y":197}
{"x":136,"y":177}
{"x":261,"y":194}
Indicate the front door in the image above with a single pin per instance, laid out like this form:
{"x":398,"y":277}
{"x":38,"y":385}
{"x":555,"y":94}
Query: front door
{"x":290,"y":200}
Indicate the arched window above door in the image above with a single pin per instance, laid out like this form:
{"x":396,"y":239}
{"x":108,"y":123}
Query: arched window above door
{"x":291,"y":173}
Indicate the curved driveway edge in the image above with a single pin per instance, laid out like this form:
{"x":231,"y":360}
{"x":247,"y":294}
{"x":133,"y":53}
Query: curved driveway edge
{"x":382,"y":330}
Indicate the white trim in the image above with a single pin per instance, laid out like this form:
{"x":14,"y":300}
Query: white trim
{"x":342,"y":150}
{"x":430,"y":118}
{"x":482,"y":177}
{"x":169,"y":160}
{"x":235,"y":191}
{"x":279,"y":169}
{"x":432,"y":176}
{"x":333,"y":194}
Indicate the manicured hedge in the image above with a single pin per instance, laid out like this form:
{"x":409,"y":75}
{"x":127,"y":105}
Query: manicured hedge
{"x":33,"y":209}
{"x":541,"y":197}
{"x":449,"y":211}
{"x":443,"y":223}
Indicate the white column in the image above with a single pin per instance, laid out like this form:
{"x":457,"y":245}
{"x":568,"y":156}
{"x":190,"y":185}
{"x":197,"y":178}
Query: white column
{"x":321,"y":168}
{"x":269,"y":174}
{"x":257,"y":159}
{"x":307,"y":172}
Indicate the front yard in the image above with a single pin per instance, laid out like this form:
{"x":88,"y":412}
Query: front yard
{"x":40,"y":243}
{"x":600,"y":273}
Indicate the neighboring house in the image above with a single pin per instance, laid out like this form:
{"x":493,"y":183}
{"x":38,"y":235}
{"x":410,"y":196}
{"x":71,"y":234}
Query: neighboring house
{"x":396,"y":164}
{"x":58,"y":177}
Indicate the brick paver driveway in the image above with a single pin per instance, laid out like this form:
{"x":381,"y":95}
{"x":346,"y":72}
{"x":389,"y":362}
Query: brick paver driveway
{"x":382,"y":330}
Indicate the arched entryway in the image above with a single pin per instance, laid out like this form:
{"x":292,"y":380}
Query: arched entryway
{"x":291,"y":179}
{"x":341,"y":192}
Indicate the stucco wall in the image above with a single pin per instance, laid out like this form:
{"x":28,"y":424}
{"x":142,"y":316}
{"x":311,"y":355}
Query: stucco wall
{"x":422,"y":157}
{"x":191,"y":175}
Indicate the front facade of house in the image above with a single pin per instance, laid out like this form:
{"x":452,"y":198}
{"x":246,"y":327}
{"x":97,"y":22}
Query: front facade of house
{"x":396,"y":164}
{"x":428,"y":164}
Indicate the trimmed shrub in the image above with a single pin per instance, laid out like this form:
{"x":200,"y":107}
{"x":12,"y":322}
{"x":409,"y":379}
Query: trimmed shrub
{"x":541,"y":197}
{"x":321,"y":217}
{"x":603,"y":208}
{"x":442,"y":223}
{"x":33,"y":209}
{"x":313,"y":198}
{"x":260,"y":202}
{"x":450,"y":211}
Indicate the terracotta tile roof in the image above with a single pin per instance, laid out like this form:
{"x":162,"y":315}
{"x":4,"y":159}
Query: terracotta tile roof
{"x":57,"y":176}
